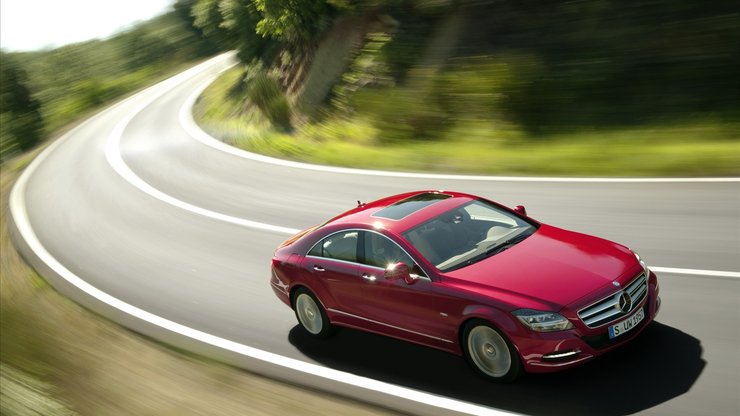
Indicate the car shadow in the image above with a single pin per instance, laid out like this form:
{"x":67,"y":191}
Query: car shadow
{"x":660,"y":364}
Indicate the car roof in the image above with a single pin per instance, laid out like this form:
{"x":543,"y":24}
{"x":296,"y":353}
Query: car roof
{"x":399,"y":213}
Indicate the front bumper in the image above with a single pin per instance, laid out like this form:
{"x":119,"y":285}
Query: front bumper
{"x":555,"y":351}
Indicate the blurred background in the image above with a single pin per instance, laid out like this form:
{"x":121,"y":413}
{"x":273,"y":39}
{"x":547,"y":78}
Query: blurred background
{"x":590,"y":87}
{"x":530,"y":87}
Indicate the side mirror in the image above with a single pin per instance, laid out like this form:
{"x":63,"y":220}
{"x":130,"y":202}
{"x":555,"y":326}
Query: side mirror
{"x":399,"y":271}
{"x":521,"y":210}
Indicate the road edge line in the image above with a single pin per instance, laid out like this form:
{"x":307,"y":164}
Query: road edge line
{"x":696,"y":272}
{"x":195,"y":131}
{"x":260,"y":361}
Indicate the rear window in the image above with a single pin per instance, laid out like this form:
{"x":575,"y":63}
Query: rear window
{"x":408,"y":206}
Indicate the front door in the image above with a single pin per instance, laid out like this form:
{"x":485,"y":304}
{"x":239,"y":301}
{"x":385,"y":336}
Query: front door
{"x":411,"y":311}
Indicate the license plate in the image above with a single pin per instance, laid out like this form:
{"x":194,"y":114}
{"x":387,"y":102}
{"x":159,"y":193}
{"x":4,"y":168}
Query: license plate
{"x":628,"y":324}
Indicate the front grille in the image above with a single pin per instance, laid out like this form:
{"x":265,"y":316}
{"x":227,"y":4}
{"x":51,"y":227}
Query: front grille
{"x":602,"y":341}
{"x":610,"y":308}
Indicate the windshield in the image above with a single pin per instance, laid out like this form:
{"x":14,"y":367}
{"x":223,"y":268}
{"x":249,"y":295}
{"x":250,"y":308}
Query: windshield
{"x":468,"y":234}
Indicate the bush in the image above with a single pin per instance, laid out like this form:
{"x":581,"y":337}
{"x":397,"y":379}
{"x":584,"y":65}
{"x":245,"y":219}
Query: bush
{"x":265,"y":93}
{"x":433,"y":101}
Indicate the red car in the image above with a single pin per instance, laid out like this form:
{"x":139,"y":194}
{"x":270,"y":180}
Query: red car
{"x":469,"y":276}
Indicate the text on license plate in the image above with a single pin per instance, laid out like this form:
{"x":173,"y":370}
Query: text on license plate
{"x":626,"y":325}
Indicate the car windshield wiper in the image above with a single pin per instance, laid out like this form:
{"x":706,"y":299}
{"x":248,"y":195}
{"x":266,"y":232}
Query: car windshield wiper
{"x":506,"y":244}
{"x":491,"y":251}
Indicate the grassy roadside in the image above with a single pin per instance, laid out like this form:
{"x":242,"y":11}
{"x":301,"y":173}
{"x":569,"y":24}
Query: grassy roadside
{"x":690,"y":148}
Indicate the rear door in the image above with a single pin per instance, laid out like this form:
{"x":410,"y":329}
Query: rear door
{"x":332,"y":263}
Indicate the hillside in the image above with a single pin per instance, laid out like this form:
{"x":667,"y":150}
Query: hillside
{"x":488,"y":86}
{"x":44,"y":90}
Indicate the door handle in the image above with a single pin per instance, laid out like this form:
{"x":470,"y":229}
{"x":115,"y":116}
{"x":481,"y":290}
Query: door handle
{"x":318,"y":268}
{"x":368,"y":277}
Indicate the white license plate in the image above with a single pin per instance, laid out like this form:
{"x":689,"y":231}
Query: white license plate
{"x":627,"y":325}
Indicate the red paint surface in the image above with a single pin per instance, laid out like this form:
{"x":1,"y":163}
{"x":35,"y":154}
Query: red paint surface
{"x":553,"y":270}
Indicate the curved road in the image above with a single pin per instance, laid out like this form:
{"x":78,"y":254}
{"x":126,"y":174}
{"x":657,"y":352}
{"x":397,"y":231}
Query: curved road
{"x":140,"y":205}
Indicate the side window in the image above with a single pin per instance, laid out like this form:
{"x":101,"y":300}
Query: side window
{"x":381,"y":251}
{"x":317,"y":250}
{"x":340,"y":246}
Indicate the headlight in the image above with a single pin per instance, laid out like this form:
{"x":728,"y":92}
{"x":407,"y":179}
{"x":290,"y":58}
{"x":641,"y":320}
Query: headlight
{"x":542,"y":321}
{"x":642,"y":263}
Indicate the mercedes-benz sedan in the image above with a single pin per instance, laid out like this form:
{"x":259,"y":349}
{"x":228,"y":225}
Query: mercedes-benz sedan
{"x":469,"y":276}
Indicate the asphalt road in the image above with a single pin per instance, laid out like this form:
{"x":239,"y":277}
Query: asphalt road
{"x":179,"y":246}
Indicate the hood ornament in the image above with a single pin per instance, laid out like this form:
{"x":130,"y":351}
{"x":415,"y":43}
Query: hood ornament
{"x":615,"y":283}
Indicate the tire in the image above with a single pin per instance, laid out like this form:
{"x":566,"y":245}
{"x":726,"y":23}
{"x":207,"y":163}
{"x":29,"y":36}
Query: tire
{"x":490,"y":353}
{"x":311,"y":315}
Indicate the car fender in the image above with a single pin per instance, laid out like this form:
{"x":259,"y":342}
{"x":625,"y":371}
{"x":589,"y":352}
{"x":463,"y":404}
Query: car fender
{"x":301,"y":284}
{"x":502,"y":320}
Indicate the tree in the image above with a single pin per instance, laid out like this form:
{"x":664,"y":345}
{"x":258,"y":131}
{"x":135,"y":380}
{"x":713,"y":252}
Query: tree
{"x":184,"y":11}
{"x":208,"y":19}
{"x":21,"y":125}
{"x":294,"y":21}
{"x":231,"y":24}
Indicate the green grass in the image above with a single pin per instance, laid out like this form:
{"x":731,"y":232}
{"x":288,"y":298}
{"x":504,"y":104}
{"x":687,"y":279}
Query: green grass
{"x":689,"y":148}
{"x":24,"y":395}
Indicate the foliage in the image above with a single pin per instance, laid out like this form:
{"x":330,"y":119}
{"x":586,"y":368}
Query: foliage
{"x":206,"y":45}
{"x":605,"y":63}
{"x":207,"y":18}
{"x":367,"y":69}
{"x":587,"y":63}
{"x":46,"y":89}
{"x":569,"y":66}
{"x":232,"y":24}
{"x":255,"y":26}
{"x":295,"y":21}
{"x":264,"y":91}
{"x":243,"y":16}
{"x":21,"y":124}
{"x":24,"y":395}
{"x":508,"y":77}
{"x":432,"y":102}
{"x":479,"y":145}
{"x":402,"y":113}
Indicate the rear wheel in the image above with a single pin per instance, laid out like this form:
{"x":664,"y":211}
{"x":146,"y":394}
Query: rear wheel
{"x":490,"y":353}
{"x":311,"y":314}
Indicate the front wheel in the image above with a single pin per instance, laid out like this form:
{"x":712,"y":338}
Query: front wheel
{"x":311,"y":315}
{"x":489,"y":352}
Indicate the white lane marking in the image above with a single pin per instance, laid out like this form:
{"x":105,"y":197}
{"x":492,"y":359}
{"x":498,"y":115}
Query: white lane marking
{"x":115,"y":159}
{"x":696,"y":272}
{"x":20,"y":216}
{"x":190,"y":126}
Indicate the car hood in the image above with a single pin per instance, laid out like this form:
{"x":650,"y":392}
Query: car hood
{"x":552,"y":266}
